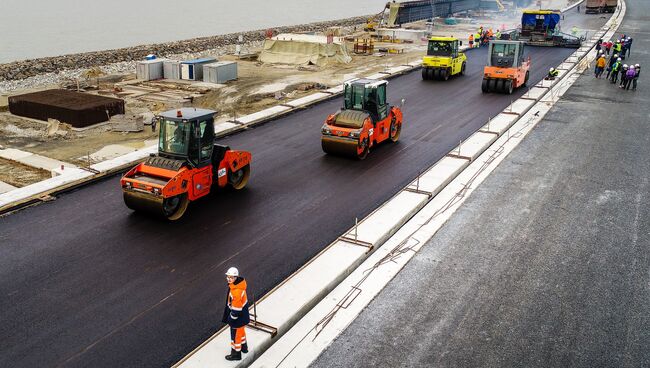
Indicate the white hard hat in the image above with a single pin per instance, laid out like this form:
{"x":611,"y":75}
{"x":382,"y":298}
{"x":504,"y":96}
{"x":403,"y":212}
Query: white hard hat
{"x":619,"y":59}
{"x":615,"y":55}
{"x":550,"y":70}
{"x":232,"y":271}
{"x":637,"y":65}
{"x":625,"y":66}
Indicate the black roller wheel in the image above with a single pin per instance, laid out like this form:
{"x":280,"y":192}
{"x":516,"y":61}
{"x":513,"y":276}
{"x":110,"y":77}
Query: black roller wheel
{"x":493,"y":85}
{"x":436,"y":74}
{"x":363,"y":149}
{"x":425,"y":74}
{"x":395,"y":130}
{"x":431,"y":74}
{"x":462,"y":68}
{"x":174,"y":207}
{"x":444,"y":74}
{"x":508,"y":87}
{"x":485,"y":86}
{"x":500,"y":86}
{"x":238,"y":179}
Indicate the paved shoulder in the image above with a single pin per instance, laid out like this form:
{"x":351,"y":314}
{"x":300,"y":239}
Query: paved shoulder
{"x":547,"y":263}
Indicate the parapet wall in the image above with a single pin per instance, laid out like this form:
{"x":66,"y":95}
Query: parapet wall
{"x":29,"y":68}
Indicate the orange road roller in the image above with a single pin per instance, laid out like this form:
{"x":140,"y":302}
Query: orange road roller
{"x":506,"y":69}
{"x":187,"y":166}
{"x":366,"y":119}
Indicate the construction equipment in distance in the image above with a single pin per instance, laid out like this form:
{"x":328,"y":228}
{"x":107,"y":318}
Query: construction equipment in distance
{"x":365,"y":120}
{"x":601,"y":6}
{"x":187,"y":166}
{"x":443,"y":59}
{"x":506,"y":69}
{"x":542,"y":28}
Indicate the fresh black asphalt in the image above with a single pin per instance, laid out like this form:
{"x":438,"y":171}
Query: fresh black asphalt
{"x":87,"y":283}
{"x":547,"y":263}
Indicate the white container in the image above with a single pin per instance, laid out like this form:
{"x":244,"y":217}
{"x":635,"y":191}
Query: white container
{"x":172,"y":69}
{"x":193,"y":69}
{"x":220,"y":72}
{"x":149,"y":69}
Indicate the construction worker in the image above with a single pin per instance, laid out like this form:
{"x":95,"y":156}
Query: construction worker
{"x":624,"y":71}
{"x":608,"y":47}
{"x":611,"y":64}
{"x":599,"y":45}
{"x":471,"y":41}
{"x":477,"y":40}
{"x":637,"y":68}
{"x":629,"y":77}
{"x":615,"y":69}
{"x":600,"y":66}
{"x":618,"y":47}
{"x":628,"y":42}
{"x":574,"y":31}
{"x":498,"y":35}
{"x":552,"y":73}
{"x":490,"y":34}
{"x":236,"y":314}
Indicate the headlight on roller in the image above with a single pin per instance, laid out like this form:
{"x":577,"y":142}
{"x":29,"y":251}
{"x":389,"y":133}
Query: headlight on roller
{"x":326,"y":130}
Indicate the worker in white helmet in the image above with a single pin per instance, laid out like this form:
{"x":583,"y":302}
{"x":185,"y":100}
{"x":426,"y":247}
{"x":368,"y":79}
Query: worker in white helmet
{"x":552,"y":73}
{"x":236,"y":314}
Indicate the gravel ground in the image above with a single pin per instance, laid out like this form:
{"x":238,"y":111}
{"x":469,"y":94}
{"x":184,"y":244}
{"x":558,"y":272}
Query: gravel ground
{"x":547,"y":263}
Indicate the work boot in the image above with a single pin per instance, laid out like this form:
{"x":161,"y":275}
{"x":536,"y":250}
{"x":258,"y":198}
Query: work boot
{"x":244,"y":348}
{"x":234,"y":355}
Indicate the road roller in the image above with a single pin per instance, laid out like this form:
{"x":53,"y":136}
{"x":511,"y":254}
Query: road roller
{"x":506,"y":69}
{"x":366,"y":119}
{"x":187,"y":166}
{"x":443,"y":59}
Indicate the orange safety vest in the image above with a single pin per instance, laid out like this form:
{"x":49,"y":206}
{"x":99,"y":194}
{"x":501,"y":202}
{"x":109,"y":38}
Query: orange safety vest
{"x":237,"y":298}
{"x":601,"y":62}
{"x":471,"y":38}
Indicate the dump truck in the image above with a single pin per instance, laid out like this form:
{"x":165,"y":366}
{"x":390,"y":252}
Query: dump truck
{"x":542,"y":28}
{"x":365,"y":120}
{"x":443,"y":59}
{"x":187,"y":166}
{"x":507,"y":67}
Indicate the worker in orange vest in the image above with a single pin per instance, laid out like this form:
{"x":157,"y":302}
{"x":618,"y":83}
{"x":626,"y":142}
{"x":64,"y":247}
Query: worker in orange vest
{"x":471,"y":41}
{"x":236,"y":314}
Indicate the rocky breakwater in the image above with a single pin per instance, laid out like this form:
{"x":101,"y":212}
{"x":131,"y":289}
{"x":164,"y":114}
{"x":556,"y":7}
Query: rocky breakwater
{"x":28,"y":68}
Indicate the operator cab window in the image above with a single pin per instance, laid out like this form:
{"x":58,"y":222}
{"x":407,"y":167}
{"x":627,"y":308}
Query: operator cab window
{"x":503,"y":55}
{"x":439,"y":48}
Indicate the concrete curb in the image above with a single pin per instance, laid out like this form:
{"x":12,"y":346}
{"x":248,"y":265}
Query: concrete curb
{"x":284,"y":305}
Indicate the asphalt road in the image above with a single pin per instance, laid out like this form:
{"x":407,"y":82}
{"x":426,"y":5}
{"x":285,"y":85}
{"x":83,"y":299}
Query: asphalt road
{"x":85,"y":282}
{"x":547,"y":263}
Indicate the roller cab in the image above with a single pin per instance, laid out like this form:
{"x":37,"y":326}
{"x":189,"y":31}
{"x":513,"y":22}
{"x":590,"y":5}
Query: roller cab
{"x":365,"y":120}
{"x":187,"y":166}
{"x":506,"y":69}
{"x":443,"y":59}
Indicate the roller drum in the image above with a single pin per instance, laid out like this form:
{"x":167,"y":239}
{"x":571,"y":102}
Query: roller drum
{"x":170,"y":208}
{"x":340,"y":147}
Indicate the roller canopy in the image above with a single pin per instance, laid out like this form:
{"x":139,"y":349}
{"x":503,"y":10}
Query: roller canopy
{"x":550,"y":20}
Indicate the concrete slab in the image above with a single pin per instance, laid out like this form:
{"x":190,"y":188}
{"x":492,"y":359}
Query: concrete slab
{"x":398,"y":69}
{"x":307,"y":100}
{"x":474,"y":145}
{"x":33,"y":160}
{"x":35,"y":189}
{"x":335,"y":90}
{"x":377,"y":76}
{"x":225,"y":128}
{"x":433,"y":180}
{"x":4,"y":187}
{"x":125,"y":160}
{"x":500,"y":123}
{"x":264,"y":114}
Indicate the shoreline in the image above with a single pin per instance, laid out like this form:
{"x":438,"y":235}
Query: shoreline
{"x":23,"y":69}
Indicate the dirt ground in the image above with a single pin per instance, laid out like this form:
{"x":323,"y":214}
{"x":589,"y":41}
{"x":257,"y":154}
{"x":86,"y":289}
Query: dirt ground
{"x":259,"y":86}
{"x":20,"y":175}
